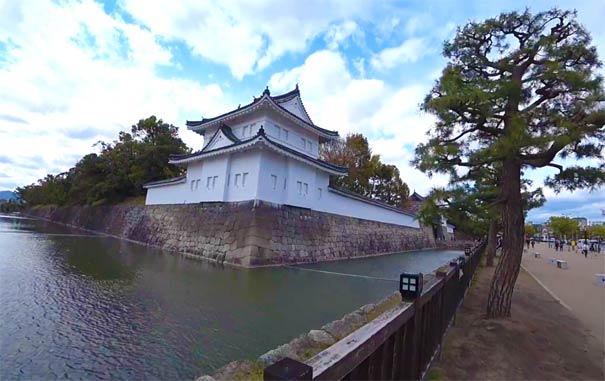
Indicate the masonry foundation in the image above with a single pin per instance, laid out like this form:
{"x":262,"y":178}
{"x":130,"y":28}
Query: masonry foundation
{"x":248,"y":234}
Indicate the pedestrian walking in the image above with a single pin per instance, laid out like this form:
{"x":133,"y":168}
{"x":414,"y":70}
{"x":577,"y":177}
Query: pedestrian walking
{"x":585,"y":249}
{"x":533,"y":242}
{"x":573,"y":245}
{"x":527,"y":242}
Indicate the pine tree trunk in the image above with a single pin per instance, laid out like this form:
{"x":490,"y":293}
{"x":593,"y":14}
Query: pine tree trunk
{"x":507,"y":270}
{"x":492,"y":237}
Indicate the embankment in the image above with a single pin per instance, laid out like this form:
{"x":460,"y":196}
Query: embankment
{"x":247,"y":234}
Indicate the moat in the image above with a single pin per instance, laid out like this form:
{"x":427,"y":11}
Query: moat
{"x":76,"y":305}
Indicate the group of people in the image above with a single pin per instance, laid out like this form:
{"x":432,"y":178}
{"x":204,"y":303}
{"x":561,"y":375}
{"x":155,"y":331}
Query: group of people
{"x":584,"y":245}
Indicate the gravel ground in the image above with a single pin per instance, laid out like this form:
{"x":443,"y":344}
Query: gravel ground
{"x":543,"y":340}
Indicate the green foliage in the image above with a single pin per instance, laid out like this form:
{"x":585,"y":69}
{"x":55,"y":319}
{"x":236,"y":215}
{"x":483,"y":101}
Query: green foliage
{"x":578,"y":177}
{"x":564,"y":226}
{"x":462,"y":206}
{"x":596,"y":231}
{"x":368,"y":176}
{"x":10,"y":206}
{"x":472,"y":202}
{"x":530,"y":230}
{"x":117,"y":172}
{"x":518,"y":88}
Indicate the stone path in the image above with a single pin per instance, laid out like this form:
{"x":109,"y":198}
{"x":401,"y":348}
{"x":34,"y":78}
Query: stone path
{"x":576,"y":287}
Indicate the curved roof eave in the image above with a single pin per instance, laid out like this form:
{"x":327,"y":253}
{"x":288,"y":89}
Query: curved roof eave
{"x":260,"y":138}
{"x":201,"y":125}
{"x":161,"y":183}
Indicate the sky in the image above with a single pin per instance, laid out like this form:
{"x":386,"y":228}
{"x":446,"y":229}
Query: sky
{"x":76,"y":72}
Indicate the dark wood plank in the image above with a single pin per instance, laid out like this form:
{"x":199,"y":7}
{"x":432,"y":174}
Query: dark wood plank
{"x":341,"y":358}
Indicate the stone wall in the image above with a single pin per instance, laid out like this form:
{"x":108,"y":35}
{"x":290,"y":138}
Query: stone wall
{"x":248,"y":234}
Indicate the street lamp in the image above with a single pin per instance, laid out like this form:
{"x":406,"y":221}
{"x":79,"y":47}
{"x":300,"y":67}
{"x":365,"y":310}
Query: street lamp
{"x":410,"y":285}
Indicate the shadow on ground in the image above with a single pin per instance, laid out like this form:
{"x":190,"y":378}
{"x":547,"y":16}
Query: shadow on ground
{"x":542,"y":340}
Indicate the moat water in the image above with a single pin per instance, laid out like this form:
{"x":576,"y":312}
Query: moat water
{"x":78,"y":306}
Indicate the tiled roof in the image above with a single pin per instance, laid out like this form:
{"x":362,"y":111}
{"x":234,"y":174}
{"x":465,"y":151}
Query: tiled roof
{"x":261,"y":137}
{"x":226,"y":130}
{"x":174,"y":180}
{"x":276,"y":100}
{"x":350,"y":193}
{"x":416,"y":197}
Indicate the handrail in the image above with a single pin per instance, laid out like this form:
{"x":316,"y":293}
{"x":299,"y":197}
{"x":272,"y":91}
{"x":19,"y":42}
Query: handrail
{"x":401,"y":342}
{"x":339,"y":359}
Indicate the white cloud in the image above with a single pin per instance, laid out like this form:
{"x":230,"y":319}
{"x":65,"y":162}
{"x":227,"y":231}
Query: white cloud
{"x":338,"y":33}
{"x":409,"y":51}
{"x":75,"y":75}
{"x":388,"y":116}
{"x":247,"y":35}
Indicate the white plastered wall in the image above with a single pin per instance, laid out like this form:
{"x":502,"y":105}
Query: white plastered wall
{"x":260,"y":165}
{"x":167,"y":194}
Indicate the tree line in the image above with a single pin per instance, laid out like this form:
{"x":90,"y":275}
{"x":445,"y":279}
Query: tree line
{"x":564,"y":227}
{"x":116,"y":173}
{"x":368,"y":175}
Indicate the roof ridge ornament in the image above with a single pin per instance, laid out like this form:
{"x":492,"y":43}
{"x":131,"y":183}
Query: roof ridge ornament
{"x":267,"y":91}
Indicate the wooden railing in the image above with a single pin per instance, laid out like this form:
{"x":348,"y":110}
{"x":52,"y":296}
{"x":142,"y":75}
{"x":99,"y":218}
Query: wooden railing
{"x":398,"y":345}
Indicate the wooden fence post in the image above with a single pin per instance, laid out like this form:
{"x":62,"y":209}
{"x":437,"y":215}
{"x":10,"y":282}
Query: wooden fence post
{"x":288,"y":369}
{"x":413,"y":342}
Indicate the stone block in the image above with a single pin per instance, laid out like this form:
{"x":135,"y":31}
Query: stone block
{"x":342,"y":327}
{"x":320,"y":337}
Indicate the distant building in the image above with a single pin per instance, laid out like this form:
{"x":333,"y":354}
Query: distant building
{"x":415,"y":202}
{"x":582,"y":222}
{"x":544,"y":230}
{"x":595,"y":223}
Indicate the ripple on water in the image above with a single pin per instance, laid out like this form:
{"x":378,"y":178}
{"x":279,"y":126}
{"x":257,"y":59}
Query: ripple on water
{"x":96,"y":308}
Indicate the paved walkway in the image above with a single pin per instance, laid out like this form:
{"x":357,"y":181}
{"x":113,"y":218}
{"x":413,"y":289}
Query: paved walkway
{"x":576,"y":287}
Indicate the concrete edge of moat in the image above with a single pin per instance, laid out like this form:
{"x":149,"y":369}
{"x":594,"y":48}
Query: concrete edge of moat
{"x":246,"y":234}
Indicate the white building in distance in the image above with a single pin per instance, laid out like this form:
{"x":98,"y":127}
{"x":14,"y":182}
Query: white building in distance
{"x":267,"y":150}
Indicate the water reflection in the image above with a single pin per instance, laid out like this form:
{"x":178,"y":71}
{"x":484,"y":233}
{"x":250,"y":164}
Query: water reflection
{"x":96,"y":307}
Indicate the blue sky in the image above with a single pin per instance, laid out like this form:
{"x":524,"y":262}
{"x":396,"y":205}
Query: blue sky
{"x":76,"y":72}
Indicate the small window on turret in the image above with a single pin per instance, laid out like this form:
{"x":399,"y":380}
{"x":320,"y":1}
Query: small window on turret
{"x":273,"y":182}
